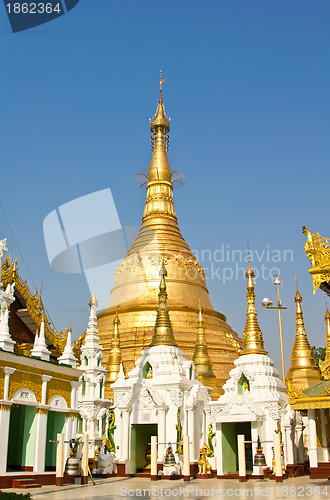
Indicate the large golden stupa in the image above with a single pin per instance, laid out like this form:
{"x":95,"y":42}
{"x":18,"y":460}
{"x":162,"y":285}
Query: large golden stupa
{"x":134,"y":295}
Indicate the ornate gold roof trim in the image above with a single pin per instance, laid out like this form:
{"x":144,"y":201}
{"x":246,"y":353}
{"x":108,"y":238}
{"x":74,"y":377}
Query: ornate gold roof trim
{"x":33,"y":304}
{"x":317,"y":249}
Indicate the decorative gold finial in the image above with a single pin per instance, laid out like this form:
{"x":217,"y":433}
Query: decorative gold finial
{"x":115,"y":357}
{"x":163,"y":332}
{"x":303,"y":371}
{"x":93,"y":300}
{"x":201,"y":358}
{"x":253,"y":342}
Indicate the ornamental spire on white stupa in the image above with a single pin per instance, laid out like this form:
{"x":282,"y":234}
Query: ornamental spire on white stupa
{"x":67,"y":357}
{"x":40,"y":349}
{"x":92,"y":339}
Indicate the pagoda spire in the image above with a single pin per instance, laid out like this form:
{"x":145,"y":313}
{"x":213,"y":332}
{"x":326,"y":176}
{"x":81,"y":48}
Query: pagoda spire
{"x":40,"y":349}
{"x":253,"y":342}
{"x":201,"y":358}
{"x":67,"y":357}
{"x":303,"y":371}
{"x":163,"y":332}
{"x":92,"y":334}
{"x":115,"y":358}
{"x":159,"y":187}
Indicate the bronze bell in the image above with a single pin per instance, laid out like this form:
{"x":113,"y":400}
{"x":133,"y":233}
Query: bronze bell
{"x":169,"y":457}
{"x":259,"y":459}
{"x":72,"y":467}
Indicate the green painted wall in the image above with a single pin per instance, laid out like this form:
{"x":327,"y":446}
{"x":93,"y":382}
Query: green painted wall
{"x":22,"y":430}
{"x":140,"y":437}
{"x":29,"y":436}
{"x":55,"y":425}
{"x":229,"y":447}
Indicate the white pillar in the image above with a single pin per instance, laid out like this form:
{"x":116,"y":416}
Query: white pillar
{"x":40,"y":440}
{"x":124,"y":454}
{"x":191,"y":433}
{"x":153,"y":470}
{"x":186,"y":459}
{"x":288,"y":431}
{"x":8,"y":371}
{"x":74,"y":426}
{"x":45,"y":379}
{"x":299,"y":442}
{"x":324,"y":436}
{"x":60,"y":460}
{"x":241,"y":458}
{"x":161,"y":432}
{"x":84,"y":460}
{"x":74,"y":390}
{"x":312,"y":447}
{"x":277,"y":455}
{"x":218,"y":453}
{"x":4,"y":433}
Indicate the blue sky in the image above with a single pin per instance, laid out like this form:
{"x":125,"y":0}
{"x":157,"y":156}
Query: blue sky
{"x":247,"y":89}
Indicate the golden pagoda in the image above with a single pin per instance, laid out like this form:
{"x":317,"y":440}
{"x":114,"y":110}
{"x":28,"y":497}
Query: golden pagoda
{"x":202,"y":360}
{"x":253,"y":342}
{"x":135,"y":289}
{"x":303,"y":371}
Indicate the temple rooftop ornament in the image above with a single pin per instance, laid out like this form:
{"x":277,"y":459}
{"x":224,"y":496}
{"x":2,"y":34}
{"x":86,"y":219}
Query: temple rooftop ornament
{"x":115,"y":358}
{"x":253,"y":342}
{"x":201,"y":358}
{"x":317,"y":249}
{"x":40,"y":349}
{"x":303,"y":371}
{"x":136,"y":282}
{"x":163,"y":332}
{"x":68,"y":358}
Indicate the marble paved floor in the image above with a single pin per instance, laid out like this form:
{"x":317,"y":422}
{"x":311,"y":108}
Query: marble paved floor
{"x":139,"y":488}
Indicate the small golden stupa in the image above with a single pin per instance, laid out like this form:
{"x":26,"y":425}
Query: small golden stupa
{"x":135,"y":289}
{"x":115,"y":357}
{"x":303,"y":371}
{"x":253,"y":342}
{"x":202,"y":360}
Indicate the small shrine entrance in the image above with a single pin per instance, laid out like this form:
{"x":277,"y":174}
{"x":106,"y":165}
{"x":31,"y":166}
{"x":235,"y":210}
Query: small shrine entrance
{"x":230,"y":431}
{"x":140,"y":447}
{"x":55,"y":425}
{"x":21,"y":442}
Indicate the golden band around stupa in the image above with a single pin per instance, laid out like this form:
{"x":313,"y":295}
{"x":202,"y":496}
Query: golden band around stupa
{"x":135,"y":290}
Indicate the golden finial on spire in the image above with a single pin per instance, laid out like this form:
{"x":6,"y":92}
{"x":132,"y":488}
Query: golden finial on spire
{"x":93,"y":300}
{"x":163,"y":332}
{"x":303,"y":371}
{"x":253,"y":342}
